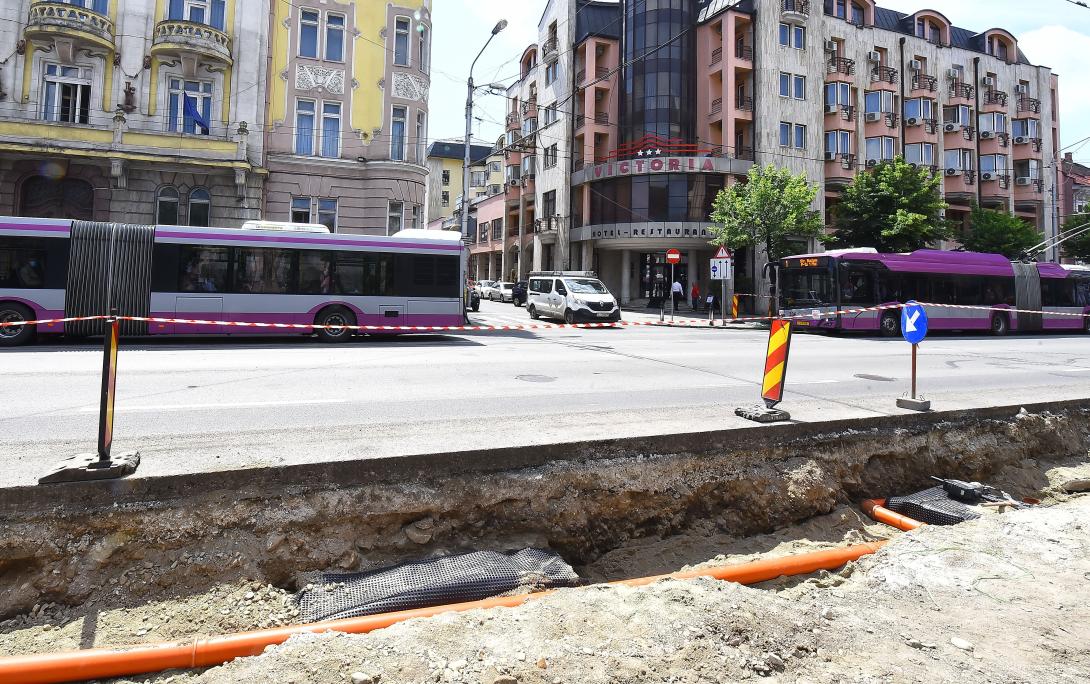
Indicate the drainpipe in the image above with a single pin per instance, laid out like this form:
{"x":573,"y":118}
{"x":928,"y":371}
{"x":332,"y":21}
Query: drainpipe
{"x":976,"y":92}
{"x":753,"y":146}
{"x":901,"y":45}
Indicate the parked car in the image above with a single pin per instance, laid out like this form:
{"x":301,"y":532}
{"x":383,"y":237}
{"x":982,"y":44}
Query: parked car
{"x":481,"y":285}
{"x":570,"y":295}
{"x":518,"y":293}
{"x":501,"y":292}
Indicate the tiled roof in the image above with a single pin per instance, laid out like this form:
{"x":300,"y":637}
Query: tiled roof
{"x":456,"y":150}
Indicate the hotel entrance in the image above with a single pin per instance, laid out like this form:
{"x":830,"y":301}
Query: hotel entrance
{"x":655,"y":276}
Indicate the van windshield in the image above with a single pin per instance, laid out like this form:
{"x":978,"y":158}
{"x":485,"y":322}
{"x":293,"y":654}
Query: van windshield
{"x":586,"y":286}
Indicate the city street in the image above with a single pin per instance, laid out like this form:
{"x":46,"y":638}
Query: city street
{"x":225,"y":403}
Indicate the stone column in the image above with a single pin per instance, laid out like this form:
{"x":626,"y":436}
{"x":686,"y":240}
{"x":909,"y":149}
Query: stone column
{"x":587,"y":262}
{"x":626,"y":276}
{"x":538,"y":249}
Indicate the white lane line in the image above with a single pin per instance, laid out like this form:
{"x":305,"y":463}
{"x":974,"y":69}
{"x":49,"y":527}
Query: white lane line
{"x":215,"y":407}
{"x":1071,"y":370}
{"x":811,"y":382}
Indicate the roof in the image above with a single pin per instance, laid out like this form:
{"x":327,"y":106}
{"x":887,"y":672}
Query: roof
{"x":712,"y":8}
{"x":456,"y":150}
{"x":597,"y":18}
{"x":899,"y":22}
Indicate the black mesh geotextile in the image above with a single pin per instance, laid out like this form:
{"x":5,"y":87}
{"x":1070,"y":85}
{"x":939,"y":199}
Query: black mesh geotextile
{"x":932,"y":506}
{"x":432,"y":582}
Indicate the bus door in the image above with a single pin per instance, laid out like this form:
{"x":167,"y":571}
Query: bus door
{"x":858,"y":289}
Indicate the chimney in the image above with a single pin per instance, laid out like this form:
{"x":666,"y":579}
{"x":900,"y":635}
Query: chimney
{"x":1067,"y":157}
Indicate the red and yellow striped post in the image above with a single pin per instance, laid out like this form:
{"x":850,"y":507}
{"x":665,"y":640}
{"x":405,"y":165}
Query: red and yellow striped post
{"x":779,"y":344}
{"x":734,"y":306}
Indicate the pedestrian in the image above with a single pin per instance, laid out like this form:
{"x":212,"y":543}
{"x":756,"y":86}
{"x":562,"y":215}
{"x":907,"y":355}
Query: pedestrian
{"x":695,"y":296}
{"x":677,"y":293}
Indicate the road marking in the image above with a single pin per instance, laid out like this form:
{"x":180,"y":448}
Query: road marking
{"x":1072,"y":370}
{"x":814,"y":382}
{"x":214,"y":407}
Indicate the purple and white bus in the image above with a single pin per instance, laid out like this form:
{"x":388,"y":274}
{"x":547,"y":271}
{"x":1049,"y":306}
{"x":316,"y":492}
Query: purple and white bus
{"x":819,"y":287}
{"x":278,"y":273}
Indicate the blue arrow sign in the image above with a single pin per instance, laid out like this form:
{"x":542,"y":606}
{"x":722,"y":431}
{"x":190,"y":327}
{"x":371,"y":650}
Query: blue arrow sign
{"x":913,"y":322}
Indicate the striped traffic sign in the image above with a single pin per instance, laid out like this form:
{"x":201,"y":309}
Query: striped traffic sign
{"x":779,"y":344}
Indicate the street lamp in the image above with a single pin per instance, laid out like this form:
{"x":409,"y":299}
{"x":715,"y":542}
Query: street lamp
{"x":500,"y":25}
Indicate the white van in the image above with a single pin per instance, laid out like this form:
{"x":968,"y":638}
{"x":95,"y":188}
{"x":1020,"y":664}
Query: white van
{"x":574,"y":296}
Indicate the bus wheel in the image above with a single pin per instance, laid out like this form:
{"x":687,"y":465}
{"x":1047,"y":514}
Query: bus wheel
{"x":1000,"y":325}
{"x":334,"y":315}
{"x":890,"y":325}
{"x":11,"y":336}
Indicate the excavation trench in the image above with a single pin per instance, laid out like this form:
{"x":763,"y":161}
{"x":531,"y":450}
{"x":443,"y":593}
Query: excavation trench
{"x":98,"y":566}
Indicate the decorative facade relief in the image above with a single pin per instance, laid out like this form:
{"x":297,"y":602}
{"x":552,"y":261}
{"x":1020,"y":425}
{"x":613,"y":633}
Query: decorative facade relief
{"x":409,"y":87}
{"x":309,"y":77}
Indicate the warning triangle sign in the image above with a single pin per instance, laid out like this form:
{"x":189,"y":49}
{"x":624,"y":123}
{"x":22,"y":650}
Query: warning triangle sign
{"x":723,"y":253}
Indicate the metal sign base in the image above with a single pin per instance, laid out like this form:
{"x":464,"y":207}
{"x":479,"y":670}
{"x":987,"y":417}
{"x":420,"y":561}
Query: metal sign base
{"x":88,"y":467}
{"x":914,"y":404}
{"x":762,"y":414}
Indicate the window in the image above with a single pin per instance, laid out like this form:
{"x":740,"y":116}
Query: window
{"x":445,"y":198}
{"x":304,"y":127}
{"x":327,"y":213}
{"x":838,"y":142}
{"x":993,"y":163}
{"x":879,"y":101}
{"x":837,"y":8}
{"x":793,"y":36}
{"x":959,"y":114}
{"x":998,"y":47}
{"x":421,"y":137}
{"x":446,"y":176}
{"x":1024,"y":128}
{"x":838,"y":94}
{"x":928,"y":30}
{"x":166,"y":207}
{"x":210,"y":12}
{"x":494,"y":167}
{"x":67,"y":94}
{"x":424,"y":58}
{"x":549,"y":115}
{"x":921,"y":154}
{"x":203,"y":268}
{"x":478,"y":178}
{"x":497,"y":229}
{"x":200,"y":205}
{"x":800,"y":137}
{"x":792,"y":85}
{"x":880,"y":148}
{"x":800,"y":87}
{"x":401,"y":41}
{"x":416,"y":217}
{"x":1028,"y":168}
{"x":334,"y":37}
{"x":529,"y":126}
{"x":331,"y":129}
{"x":548,"y":204}
{"x":100,"y":6}
{"x":315,"y":210}
{"x":858,"y":17}
{"x":958,"y":159}
{"x":397,"y":134}
{"x":550,"y":156}
{"x":32,"y":263}
{"x":300,"y":210}
{"x":785,"y":134}
{"x":994,"y":122}
{"x":261,"y":270}
{"x":394,"y":217}
{"x":199,"y":95}
{"x":308,"y":33}
{"x":785,"y":84}
{"x":919,"y":108}
{"x":552,"y":71}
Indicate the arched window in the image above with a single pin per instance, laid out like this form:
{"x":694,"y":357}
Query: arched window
{"x":44,"y":197}
{"x":166,"y":206}
{"x":200,"y":205}
{"x":858,"y":14}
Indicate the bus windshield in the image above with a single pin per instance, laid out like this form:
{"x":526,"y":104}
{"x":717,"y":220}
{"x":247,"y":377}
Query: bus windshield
{"x":808,"y":286}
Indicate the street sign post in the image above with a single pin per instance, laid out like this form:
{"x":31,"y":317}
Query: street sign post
{"x":673,"y":257}
{"x":726,"y":281}
{"x":914,"y":330}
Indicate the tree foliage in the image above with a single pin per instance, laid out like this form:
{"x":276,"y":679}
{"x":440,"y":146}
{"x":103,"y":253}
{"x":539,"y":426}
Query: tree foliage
{"x":999,"y":232}
{"x":893,"y":208}
{"x":770,"y":209}
{"x":1078,"y":247}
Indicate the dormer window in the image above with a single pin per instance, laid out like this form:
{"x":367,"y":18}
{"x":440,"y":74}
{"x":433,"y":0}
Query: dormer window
{"x":999,"y":47}
{"x":858,"y":14}
{"x":929,"y":30}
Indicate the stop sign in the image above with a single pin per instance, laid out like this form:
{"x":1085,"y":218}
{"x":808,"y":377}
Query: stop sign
{"x":673,"y":256}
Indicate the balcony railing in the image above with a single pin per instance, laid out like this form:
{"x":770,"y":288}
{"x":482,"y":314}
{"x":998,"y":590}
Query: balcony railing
{"x":995,"y":97}
{"x":799,"y":8}
{"x":61,"y":15}
{"x":1036,"y":142}
{"x":745,"y":153}
{"x":925,"y":82}
{"x":847,"y":112}
{"x":1029,"y":104}
{"x":580,"y":75}
{"x":959,"y":89}
{"x":1004,"y":139}
{"x":601,"y":118}
{"x":892,"y":119}
{"x":512,"y":118}
{"x":968,"y":132}
{"x":883,"y":73}
{"x":744,"y":104}
{"x":847,"y":161}
{"x":717,"y":56}
{"x":192,"y":36}
{"x":548,"y":49}
{"x":841,"y":65}
{"x":601,"y":72}
{"x":717,"y":105}
{"x":970,"y":176}
{"x":580,"y":120}
{"x":744,"y":52}
{"x":930,"y":125}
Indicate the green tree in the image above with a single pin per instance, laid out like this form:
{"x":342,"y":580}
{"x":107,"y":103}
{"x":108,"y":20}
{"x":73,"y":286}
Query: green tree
{"x":1078,"y":247}
{"x":999,"y":232}
{"x":770,"y":209}
{"x":893,"y":208}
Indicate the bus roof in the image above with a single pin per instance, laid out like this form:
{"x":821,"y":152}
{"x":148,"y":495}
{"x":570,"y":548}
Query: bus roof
{"x":929,"y":261}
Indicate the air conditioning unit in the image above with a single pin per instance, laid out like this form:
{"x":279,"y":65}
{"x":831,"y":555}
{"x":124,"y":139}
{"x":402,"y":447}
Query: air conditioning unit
{"x":988,"y":82}
{"x":830,"y":46}
{"x":913,"y":165}
{"x":830,"y":156}
{"x":953,"y":172}
{"x":984,"y":135}
{"x":1020,"y":140}
{"x":1023,"y":180}
{"x":515,"y":182}
{"x":871,"y":163}
{"x":874,"y":56}
{"x":871,"y":117}
{"x":953,"y":74}
{"x":915,"y":65}
{"x":831,"y":109}
{"x":951,"y":127}
{"x":986,"y":176}
{"x":1021,"y":89}
{"x":912,"y":121}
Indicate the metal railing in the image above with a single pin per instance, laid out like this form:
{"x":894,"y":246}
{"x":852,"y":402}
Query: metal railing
{"x":796,"y":6}
{"x":717,"y":105}
{"x":717,"y":56}
{"x":883,"y":73}
{"x":959,"y":89}
{"x":1029,"y":104}
{"x":841,"y":65}
{"x":930,"y":125}
{"x":847,"y":112}
{"x":580,"y":120}
{"x":925,"y":82}
{"x":744,"y":52}
{"x":1004,"y":138}
{"x":580,"y":75}
{"x":548,"y":48}
{"x":892,"y":119}
{"x":601,"y":117}
{"x":995,"y":97}
{"x":744,"y":104}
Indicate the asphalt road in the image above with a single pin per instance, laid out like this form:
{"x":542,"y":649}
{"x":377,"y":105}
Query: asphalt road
{"x":223,"y":403}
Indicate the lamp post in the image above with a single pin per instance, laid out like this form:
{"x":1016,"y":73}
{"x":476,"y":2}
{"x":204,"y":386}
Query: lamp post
{"x":500,"y":25}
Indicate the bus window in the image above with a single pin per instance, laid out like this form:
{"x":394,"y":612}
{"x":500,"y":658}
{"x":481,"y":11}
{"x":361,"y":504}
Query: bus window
{"x":968,"y":290}
{"x":378,"y":274}
{"x":998,"y":290}
{"x":1082,"y":291}
{"x":943,"y":290}
{"x":1057,"y":292}
{"x":857,"y":286}
{"x":260,"y":270}
{"x":203,"y":268}
{"x":22,"y":262}
{"x":315,"y":272}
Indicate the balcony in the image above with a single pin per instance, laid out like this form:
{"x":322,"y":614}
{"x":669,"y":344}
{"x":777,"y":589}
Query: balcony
{"x":549,"y":52}
{"x":580,"y":76}
{"x":580,"y":121}
{"x":191,"y":39}
{"x":847,"y":112}
{"x":717,"y":106}
{"x":512,"y":121}
{"x":892,"y":119}
{"x":601,"y":118}
{"x":883,"y":73}
{"x":963,"y":90}
{"x":995,"y":97}
{"x":795,"y":10}
{"x":925,"y":82}
{"x":50,"y":20}
{"x":744,"y":104}
{"x":601,"y":72}
{"x":841,"y":65}
{"x":1029,"y":104}
{"x":717,"y":56}
{"x":745,"y":153}
{"x":744,"y":52}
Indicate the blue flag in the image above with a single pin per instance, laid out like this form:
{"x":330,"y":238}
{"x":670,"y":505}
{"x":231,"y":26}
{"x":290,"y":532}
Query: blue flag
{"x":189,"y":108}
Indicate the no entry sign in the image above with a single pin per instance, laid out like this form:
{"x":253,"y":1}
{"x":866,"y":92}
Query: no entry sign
{"x":673,"y":256}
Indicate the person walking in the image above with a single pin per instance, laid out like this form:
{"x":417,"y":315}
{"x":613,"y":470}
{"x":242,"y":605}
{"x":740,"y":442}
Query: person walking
{"x":695,"y":296}
{"x":677,"y":292}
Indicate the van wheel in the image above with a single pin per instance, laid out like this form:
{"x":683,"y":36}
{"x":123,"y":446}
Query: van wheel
{"x":335,"y":315}
{"x":532,"y":311}
{"x":1000,"y":325}
{"x":12,"y":336}
{"x":569,"y":316}
{"x":890,"y":325}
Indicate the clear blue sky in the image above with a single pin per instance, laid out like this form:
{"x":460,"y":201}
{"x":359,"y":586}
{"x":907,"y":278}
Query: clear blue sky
{"x":1054,"y":33}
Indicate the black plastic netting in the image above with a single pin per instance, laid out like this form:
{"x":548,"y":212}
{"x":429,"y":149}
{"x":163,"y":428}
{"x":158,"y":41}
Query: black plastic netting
{"x":431,"y":582}
{"x":932,"y":506}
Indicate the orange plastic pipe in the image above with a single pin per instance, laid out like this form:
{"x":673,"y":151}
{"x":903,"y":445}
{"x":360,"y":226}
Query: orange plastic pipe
{"x":876,"y":509}
{"x":76,"y":666}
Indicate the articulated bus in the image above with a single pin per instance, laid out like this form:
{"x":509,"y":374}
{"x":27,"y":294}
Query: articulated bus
{"x":266,"y":272}
{"x":824,"y":290}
